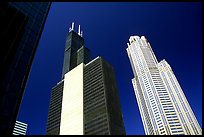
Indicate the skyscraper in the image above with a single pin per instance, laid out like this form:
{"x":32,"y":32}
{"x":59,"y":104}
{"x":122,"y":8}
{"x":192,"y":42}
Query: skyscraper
{"x":86,"y":100}
{"x":20,"y":128}
{"x":163,"y":106}
{"x":21,"y":26}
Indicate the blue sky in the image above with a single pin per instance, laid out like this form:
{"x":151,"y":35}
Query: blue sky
{"x":174,"y":31}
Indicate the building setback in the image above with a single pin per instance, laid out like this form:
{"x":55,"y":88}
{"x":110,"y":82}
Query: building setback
{"x":163,"y":106}
{"x":85,"y":101}
{"x":20,"y":30}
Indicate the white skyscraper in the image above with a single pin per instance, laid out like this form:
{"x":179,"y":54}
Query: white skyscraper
{"x":163,"y":106}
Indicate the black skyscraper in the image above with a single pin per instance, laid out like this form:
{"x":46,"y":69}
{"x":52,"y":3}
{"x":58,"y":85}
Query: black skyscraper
{"x":75,"y":52}
{"x":101,"y":104}
{"x":20,"y":30}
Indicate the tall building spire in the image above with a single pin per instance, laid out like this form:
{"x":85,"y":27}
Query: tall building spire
{"x":79,"y":31}
{"x":72,"y":25}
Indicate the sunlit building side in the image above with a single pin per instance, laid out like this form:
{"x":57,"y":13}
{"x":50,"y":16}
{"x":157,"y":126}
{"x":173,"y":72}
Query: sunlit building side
{"x":163,"y":106}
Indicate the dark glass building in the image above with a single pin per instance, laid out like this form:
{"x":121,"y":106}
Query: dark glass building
{"x":93,"y":103}
{"x":102,"y":110}
{"x":75,"y":52}
{"x":54,"y":115}
{"x":21,"y":26}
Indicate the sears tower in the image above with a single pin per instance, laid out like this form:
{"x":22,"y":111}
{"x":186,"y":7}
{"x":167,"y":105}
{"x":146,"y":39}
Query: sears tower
{"x":75,"y":52}
{"x":85,"y":101}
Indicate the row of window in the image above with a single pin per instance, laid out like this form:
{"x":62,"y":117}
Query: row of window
{"x":180,"y":98}
{"x":181,"y":101}
{"x":94,"y":103}
{"x":94,"y":97}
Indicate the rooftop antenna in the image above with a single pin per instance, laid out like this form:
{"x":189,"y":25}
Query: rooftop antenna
{"x":72,"y":26}
{"x":70,"y":29}
{"x":79,"y":31}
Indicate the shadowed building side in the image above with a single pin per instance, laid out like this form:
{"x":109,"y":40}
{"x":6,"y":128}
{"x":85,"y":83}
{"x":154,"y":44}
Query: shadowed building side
{"x":113,"y":100}
{"x":102,"y":110}
{"x":21,"y":26}
{"x":54,"y":116}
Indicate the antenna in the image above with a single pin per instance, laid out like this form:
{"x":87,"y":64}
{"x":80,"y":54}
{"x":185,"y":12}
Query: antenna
{"x":72,"y":25}
{"x":70,"y":29}
{"x":79,"y":30}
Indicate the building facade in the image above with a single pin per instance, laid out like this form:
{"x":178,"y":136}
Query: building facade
{"x":163,"y":106}
{"x":86,"y":101}
{"x":20,"y":128}
{"x":20,"y":30}
{"x":102,"y":110}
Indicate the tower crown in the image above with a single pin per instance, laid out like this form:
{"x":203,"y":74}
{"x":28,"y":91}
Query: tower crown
{"x":72,"y":29}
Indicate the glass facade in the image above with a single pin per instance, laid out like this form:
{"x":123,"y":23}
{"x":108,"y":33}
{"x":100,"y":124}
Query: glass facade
{"x":20,"y":30}
{"x":75,"y":52}
{"x":54,"y":115}
{"x":102,"y":110}
{"x":95,"y":107}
